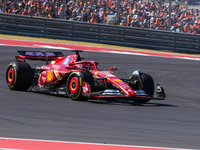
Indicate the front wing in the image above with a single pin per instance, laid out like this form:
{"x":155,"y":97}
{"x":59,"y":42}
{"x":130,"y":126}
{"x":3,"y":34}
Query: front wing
{"x":139,"y":94}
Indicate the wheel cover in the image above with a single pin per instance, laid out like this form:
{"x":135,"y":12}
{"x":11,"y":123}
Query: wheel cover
{"x":74,"y":85}
{"x":10,"y":76}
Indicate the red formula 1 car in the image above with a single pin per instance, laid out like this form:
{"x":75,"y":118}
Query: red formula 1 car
{"x":77,"y":78}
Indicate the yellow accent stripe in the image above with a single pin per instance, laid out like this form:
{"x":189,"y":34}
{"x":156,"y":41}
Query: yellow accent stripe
{"x":80,"y":81}
{"x":15,"y":75}
{"x":57,"y":75}
{"x":77,"y":95}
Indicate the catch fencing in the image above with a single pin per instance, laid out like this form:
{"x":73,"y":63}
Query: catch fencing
{"x":99,"y":33}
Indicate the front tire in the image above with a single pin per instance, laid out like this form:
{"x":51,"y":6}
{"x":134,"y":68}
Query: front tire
{"x":74,"y":85}
{"x":145,"y":83}
{"x":19,"y":76}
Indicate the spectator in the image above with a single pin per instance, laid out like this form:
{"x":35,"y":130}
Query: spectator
{"x":31,"y":11}
{"x":133,"y":13}
{"x":1,"y":8}
{"x":25,"y":12}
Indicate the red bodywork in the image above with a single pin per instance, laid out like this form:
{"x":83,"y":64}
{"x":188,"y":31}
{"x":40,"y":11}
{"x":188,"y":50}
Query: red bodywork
{"x":61,"y":67}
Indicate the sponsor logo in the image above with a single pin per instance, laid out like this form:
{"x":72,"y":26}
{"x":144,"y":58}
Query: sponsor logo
{"x":53,"y":62}
{"x":66,"y":60}
{"x":34,"y":54}
{"x":140,"y":92}
{"x":117,"y":80}
{"x":20,"y":59}
{"x":111,"y":92}
{"x":55,"y":66}
{"x":115,"y":92}
{"x":43,"y":79}
{"x":110,"y":75}
{"x":49,"y":76}
{"x":45,"y":68}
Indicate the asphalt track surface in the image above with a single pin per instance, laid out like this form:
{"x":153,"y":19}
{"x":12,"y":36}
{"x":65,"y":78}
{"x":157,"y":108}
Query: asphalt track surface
{"x":173,"y":123}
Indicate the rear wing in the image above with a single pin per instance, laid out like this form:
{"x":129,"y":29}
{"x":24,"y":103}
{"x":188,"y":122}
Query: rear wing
{"x":38,"y":55}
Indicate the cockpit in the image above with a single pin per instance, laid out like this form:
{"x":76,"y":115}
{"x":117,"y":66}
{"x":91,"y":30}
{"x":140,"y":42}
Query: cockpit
{"x":88,"y":65}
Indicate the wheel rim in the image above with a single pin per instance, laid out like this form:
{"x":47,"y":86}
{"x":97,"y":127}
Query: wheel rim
{"x":10,"y":75}
{"x":74,"y":85}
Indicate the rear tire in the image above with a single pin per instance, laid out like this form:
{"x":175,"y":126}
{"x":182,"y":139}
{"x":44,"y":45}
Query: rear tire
{"x":74,"y":85}
{"x":19,"y":76}
{"x":146,"y":84}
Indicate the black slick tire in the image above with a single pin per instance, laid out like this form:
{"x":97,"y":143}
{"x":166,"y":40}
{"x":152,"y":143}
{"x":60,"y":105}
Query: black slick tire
{"x":19,"y":76}
{"x":74,"y":85}
{"x":146,"y":84}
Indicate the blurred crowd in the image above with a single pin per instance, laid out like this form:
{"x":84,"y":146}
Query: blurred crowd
{"x":134,"y":13}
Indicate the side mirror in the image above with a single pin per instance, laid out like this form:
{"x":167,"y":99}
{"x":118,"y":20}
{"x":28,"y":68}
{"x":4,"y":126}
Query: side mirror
{"x":113,"y":68}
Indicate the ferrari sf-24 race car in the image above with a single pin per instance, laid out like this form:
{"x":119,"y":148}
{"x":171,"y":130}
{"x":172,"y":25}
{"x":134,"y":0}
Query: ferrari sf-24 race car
{"x":78,"y":79}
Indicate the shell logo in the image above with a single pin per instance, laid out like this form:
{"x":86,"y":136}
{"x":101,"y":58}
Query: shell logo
{"x":53,"y":62}
{"x":117,"y":80}
{"x":49,"y":76}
